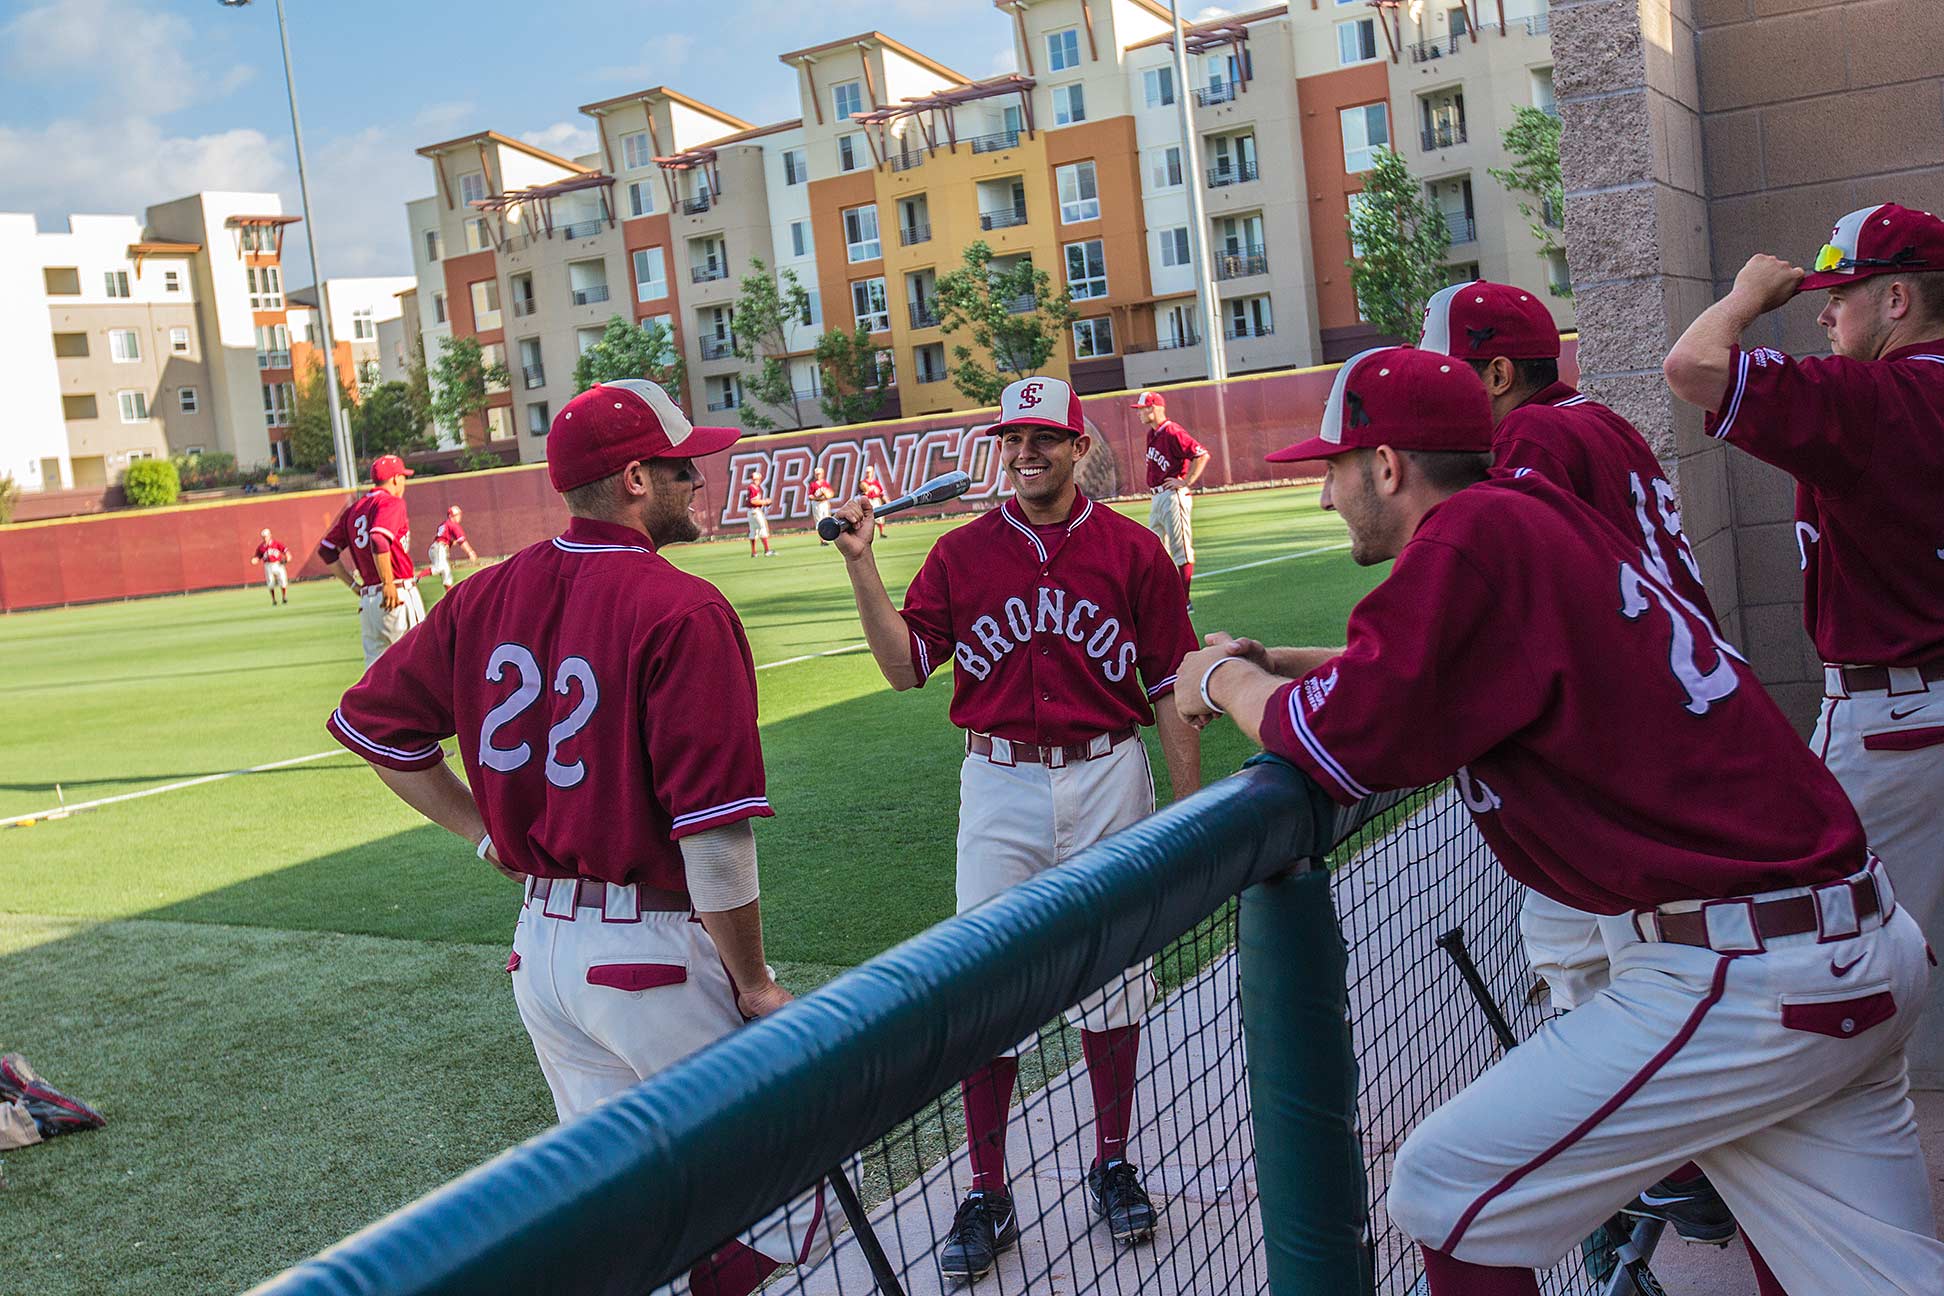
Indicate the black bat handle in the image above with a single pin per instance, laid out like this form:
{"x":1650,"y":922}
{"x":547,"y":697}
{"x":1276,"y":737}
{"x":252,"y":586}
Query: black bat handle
{"x":1453,"y":943}
{"x":830,"y":528}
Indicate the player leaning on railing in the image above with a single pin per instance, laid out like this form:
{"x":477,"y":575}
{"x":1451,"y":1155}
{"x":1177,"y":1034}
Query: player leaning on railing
{"x":1622,"y":759}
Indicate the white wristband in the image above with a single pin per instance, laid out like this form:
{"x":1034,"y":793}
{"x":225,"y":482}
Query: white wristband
{"x":1214,"y":666}
{"x":485,"y":844}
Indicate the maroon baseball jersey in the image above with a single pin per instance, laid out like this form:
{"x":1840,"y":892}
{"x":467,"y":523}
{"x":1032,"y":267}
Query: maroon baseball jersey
{"x":1582,"y":446}
{"x":604,"y":701}
{"x":871,"y":488}
{"x":273,"y":551}
{"x":1057,"y":633}
{"x":753,"y":495}
{"x":819,"y":485}
{"x":1169,"y":451}
{"x":375,"y":520}
{"x":449,"y":533}
{"x":1615,"y":753}
{"x":1865,"y":443}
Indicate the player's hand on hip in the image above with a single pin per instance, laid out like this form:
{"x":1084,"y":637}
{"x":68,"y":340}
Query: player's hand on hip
{"x":392,"y":597}
{"x":1170,"y":483}
{"x":1767,"y":282}
{"x":855,"y":540}
{"x":761,"y":1001}
{"x":492,"y":857}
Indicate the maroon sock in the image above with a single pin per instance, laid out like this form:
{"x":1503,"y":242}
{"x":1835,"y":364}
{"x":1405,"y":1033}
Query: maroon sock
{"x":988,"y":1097}
{"x":1765,"y":1282}
{"x":1450,"y":1276}
{"x":732,"y":1270}
{"x":1686,"y":1174}
{"x":1113,"y":1057}
{"x":1187,"y":576}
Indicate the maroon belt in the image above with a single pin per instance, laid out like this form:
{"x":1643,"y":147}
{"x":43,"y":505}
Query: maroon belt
{"x":978,"y":744}
{"x":592,"y":894}
{"x":1791,"y":916}
{"x":1876,"y":679}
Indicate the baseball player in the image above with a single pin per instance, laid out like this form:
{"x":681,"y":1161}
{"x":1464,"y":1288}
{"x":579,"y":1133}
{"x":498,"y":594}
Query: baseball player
{"x":33,"y":1111}
{"x":821,"y":493}
{"x":1620,"y":757}
{"x":755,"y":501}
{"x":1543,"y":426}
{"x":873,"y":490}
{"x":274,"y":556}
{"x":1862,"y":432}
{"x":374,"y":532}
{"x":571,"y":674}
{"x":1064,"y":622}
{"x":438,"y":554}
{"x":1175,"y":462}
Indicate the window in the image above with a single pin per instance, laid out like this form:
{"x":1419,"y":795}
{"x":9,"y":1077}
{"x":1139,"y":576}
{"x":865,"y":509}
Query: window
{"x":258,"y":238}
{"x":1174,"y":246}
{"x":62,"y":281}
{"x":847,"y":97}
{"x":134,"y":406}
{"x":1559,"y":273}
{"x":1069,"y":105}
{"x":117,"y":283}
{"x":1462,"y":274}
{"x":1159,"y":85}
{"x":641,"y":197}
{"x":861,"y":234}
{"x":179,"y":341}
{"x":486,"y":304}
{"x":310,"y":331}
{"x":637,"y":151}
{"x":266,"y":287}
{"x":1063,"y":49}
{"x":362,"y":329}
{"x":870,"y":305}
{"x":472,"y":188}
{"x":847,"y":153}
{"x":587,"y":338}
{"x":651,"y":275}
{"x":79,"y":407}
{"x":1249,"y":317}
{"x":795,"y":169}
{"x":431,"y":245}
{"x":172,"y":281}
{"x":1079,"y":193}
{"x":1086,"y":267}
{"x":1164,"y":167}
{"x":1357,"y":41}
{"x":124,"y":345}
{"x":1365,"y":130}
{"x":492,"y":356}
{"x":1092,"y":337}
{"x":273,"y":345}
{"x":800,"y":238}
{"x":537,"y":421}
{"x":187,"y":400}
{"x":71,"y":346}
{"x":725,"y":393}
{"x":438,"y":308}
{"x":479,"y":235}
{"x":1543,"y":97}
{"x":1357,"y":202}
{"x":1460,"y":22}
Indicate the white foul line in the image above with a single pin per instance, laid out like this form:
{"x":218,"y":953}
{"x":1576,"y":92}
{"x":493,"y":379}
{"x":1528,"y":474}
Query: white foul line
{"x":1264,"y":562}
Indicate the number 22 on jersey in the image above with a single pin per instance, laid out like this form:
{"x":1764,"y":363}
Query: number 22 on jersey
{"x":531,"y":680}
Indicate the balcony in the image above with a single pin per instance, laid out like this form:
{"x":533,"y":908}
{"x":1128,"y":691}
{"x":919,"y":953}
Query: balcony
{"x":1219,"y":92}
{"x":706,"y":273}
{"x":1176,"y":343}
{"x":718,"y":348}
{"x":590,"y":295}
{"x":923,"y":314}
{"x":1464,"y":229}
{"x":535,"y":376}
{"x":807,"y":393}
{"x":1233,"y":173}
{"x":1443,"y":136}
{"x":1437,"y":47}
{"x":717,"y":404}
{"x":1002,"y":219}
{"x":997,"y":142}
{"x":273,"y":359}
{"x":909,"y":234}
{"x":524,"y":306}
{"x":930,"y":377}
{"x":1235,"y":331}
{"x":581,"y":229}
{"x":695,"y":207}
{"x":906,"y":161}
{"x":1240,"y":265}
{"x":1024,"y":304}
{"x":1539,"y":24}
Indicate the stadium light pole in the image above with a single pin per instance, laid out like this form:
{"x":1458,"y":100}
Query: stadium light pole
{"x":340,"y":434}
{"x":1198,"y":241}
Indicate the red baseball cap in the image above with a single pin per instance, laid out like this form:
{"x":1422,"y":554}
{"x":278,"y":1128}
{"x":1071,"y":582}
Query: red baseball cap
{"x":1039,"y":402}
{"x":1482,"y":320}
{"x":1403,"y":398}
{"x":612,"y":424}
{"x":386,"y":467}
{"x":1884,"y":239}
{"x":1149,"y":400}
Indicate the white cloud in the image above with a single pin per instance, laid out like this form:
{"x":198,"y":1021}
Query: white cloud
{"x":89,"y":42}
{"x":1211,"y":13}
{"x":122,"y":166}
{"x":568,"y":139}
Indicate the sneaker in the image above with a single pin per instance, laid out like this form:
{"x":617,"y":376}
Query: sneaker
{"x":53,"y":1111}
{"x":1692,"y":1206}
{"x":1119,"y":1199}
{"x":1191,"y":605}
{"x":984,"y":1226}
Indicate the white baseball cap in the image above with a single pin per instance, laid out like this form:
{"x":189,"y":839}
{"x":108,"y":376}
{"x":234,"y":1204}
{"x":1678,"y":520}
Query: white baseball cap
{"x":1040,"y":402}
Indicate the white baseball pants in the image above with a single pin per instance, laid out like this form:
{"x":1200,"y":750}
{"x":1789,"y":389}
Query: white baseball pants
{"x":819,"y":510}
{"x":1170,"y":516}
{"x":758,"y":525}
{"x":1781,"y":1074}
{"x":1565,"y":947}
{"x":275,"y":577}
{"x":382,"y":628}
{"x":1016,"y":821}
{"x":610,"y":996}
{"x":1887,"y":750}
{"x":438,"y":561}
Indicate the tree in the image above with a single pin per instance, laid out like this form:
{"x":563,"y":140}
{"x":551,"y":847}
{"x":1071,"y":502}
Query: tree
{"x":151,"y":483}
{"x":460,"y":380}
{"x":854,"y":375}
{"x":1012,"y":314}
{"x":9,"y":496}
{"x":631,"y":351}
{"x":387,"y":421}
{"x":1401,"y":239}
{"x":768,"y":313}
{"x":1533,"y":140}
{"x":311,"y":443}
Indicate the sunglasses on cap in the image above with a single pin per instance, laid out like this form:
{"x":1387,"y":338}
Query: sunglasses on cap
{"x":1834,"y":258}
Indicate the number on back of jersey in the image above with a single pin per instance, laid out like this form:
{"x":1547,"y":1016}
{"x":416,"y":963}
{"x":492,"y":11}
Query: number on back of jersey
{"x":573,"y":673}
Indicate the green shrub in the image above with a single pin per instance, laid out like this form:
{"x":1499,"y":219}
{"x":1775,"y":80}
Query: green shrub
{"x":150,"y":483}
{"x":207,"y":471}
{"x":9,"y":496}
{"x":477,"y":460}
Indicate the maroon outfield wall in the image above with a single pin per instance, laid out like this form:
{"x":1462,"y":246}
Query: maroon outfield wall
{"x":133,"y":553}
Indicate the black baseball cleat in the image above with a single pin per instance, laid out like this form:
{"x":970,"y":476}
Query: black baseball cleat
{"x":1692,"y":1206}
{"x":1119,"y":1199}
{"x":53,"y":1111}
{"x":984,"y":1226}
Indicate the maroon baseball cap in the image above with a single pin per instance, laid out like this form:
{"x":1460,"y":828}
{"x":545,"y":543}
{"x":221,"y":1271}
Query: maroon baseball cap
{"x":1039,"y":402}
{"x":1403,"y":398}
{"x":1884,"y":239}
{"x":612,"y":424}
{"x":1150,"y":400}
{"x":1482,"y":320}
{"x":386,"y":467}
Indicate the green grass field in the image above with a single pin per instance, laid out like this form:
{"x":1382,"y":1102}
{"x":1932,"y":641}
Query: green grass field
{"x":287,"y":993}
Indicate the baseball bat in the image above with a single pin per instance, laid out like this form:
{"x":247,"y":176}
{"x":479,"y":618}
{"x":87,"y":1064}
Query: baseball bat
{"x":950,"y":485}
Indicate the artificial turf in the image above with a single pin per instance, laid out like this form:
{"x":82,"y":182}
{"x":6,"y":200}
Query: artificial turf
{"x":286,"y":992}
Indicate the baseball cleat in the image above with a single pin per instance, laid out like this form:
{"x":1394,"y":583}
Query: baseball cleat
{"x":1119,"y":1199}
{"x":984,"y":1226}
{"x":53,"y":1111}
{"x":1692,"y":1206}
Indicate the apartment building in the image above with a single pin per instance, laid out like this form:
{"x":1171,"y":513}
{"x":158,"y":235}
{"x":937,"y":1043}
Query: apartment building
{"x":359,"y":307}
{"x":125,"y":338}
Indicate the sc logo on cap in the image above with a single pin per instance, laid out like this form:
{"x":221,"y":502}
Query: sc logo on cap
{"x":1029,"y":395}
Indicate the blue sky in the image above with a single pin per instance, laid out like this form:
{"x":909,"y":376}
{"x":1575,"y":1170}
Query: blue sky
{"x":110,"y":105}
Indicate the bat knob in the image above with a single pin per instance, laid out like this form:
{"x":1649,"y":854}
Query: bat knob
{"x":829,"y":529}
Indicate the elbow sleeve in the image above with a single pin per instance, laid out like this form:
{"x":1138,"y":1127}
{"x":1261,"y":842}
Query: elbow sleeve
{"x":720,"y":864}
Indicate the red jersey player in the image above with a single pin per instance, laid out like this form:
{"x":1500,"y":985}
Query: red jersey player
{"x":821,"y":492}
{"x":1175,"y":462}
{"x":1622,"y":759}
{"x":374,"y":532}
{"x":1063,"y":621}
{"x":1862,"y":432}
{"x":450,"y":535}
{"x":571,"y":675}
{"x":274,"y":554}
{"x":873,"y":490}
{"x":755,"y":501}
